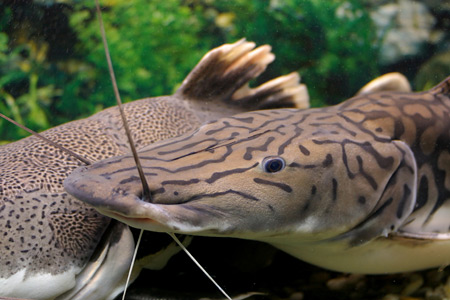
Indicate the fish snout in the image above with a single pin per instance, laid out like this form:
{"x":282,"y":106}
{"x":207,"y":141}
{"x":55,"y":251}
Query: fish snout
{"x":102,"y":191}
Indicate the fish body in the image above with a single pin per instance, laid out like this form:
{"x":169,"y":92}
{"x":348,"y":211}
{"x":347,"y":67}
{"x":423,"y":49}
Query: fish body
{"x":361,"y":187}
{"x":53,"y":245}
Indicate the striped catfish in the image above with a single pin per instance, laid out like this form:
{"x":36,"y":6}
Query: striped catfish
{"x":361,"y":187}
{"x":53,"y":245}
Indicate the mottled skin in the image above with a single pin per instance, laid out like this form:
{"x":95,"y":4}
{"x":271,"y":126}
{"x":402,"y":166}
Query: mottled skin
{"x":363,"y":186}
{"x":48,"y":236}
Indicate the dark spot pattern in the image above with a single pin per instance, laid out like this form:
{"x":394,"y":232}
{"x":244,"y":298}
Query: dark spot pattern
{"x":48,"y":230}
{"x":304,"y":150}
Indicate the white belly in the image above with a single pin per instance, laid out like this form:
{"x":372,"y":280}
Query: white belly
{"x":35,"y":286}
{"x":383,"y":255}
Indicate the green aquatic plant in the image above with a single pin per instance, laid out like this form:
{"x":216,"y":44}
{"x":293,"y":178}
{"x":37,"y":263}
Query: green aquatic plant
{"x":22,"y":98}
{"x":331,"y":43}
{"x":154,"y":44}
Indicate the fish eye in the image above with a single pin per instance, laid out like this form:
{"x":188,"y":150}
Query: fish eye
{"x":273,"y":164}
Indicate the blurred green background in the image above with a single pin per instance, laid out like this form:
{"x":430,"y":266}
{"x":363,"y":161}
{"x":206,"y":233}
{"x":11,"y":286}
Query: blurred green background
{"x":53,"y":70}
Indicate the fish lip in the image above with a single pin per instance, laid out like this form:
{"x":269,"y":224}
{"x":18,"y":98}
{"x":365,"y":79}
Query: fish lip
{"x":127,"y":206}
{"x":141,"y":220}
{"x":160,"y":218}
{"x":138,"y":221}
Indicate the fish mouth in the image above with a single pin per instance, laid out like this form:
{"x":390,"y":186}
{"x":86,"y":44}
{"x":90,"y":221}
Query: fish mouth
{"x":125,"y":203}
{"x":139,"y":222}
{"x":167,"y":218}
{"x":135,"y":212}
{"x":191,"y":217}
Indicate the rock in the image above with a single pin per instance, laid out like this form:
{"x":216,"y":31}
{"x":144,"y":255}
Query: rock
{"x":391,"y":297}
{"x":416,"y":282}
{"x":296,"y":296}
{"x":344,"y":282}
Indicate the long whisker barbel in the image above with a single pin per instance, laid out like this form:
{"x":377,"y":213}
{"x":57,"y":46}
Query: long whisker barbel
{"x":146,"y":189}
{"x":198,"y":264}
{"x":132,"y":262}
{"x":56,"y":145}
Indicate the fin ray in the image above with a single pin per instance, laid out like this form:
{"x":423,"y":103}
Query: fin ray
{"x":222,"y":76}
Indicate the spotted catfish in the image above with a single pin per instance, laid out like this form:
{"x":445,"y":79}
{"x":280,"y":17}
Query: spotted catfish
{"x":52,"y":245}
{"x":362,"y":187}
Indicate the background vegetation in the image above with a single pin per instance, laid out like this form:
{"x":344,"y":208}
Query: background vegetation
{"x":53,"y":70}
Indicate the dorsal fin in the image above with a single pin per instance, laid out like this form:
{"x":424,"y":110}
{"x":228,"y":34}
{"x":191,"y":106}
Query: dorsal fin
{"x":225,"y":69}
{"x":442,"y":88}
{"x":218,"y":85}
{"x":222,"y":76}
{"x":281,"y":92}
{"x":393,"y":82}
